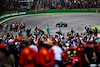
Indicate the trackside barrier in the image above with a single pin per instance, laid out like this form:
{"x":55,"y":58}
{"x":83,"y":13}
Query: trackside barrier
{"x":2,"y":17}
{"x":12,"y":14}
{"x":7,"y":15}
{"x":22,"y":13}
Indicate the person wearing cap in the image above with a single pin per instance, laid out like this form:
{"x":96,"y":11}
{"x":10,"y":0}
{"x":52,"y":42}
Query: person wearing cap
{"x":11,"y":45}
{"x":88,"y":54}
{"x":46,"y":58}
{"x":28,"y":57}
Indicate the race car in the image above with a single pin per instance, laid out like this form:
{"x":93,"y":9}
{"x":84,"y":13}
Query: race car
{"x":61,"y":24}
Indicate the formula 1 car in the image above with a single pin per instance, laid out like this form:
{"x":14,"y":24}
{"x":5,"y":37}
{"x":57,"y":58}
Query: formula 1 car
{"x":61,"y":24}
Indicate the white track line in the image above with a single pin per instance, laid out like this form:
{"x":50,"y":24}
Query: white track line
{"x":14,"y":17}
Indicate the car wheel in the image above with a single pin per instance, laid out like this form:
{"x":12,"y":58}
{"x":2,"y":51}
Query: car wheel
{"x":63,"y":25}
{"x":66,"y":25}
{"x":57,"y":25}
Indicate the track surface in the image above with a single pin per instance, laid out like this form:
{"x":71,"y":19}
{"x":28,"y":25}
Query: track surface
{"x":77,"y":21}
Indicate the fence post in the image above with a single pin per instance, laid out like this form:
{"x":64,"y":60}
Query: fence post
{"x":97,"y":11}
{"x":36,"y":8}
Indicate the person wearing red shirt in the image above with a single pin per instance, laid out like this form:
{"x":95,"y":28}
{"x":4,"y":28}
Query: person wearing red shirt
{"x":46,"y":57}
{"x":79,"y":53}
{"x":2,"y":46}
{"x":28,"y":56}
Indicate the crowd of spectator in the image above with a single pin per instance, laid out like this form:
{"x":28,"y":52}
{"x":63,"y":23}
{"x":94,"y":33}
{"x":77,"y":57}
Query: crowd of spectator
{"x":45,"y":50}
{"x":17,"y":26}
{"x":68,"y":4}
{"x":16,"y":5}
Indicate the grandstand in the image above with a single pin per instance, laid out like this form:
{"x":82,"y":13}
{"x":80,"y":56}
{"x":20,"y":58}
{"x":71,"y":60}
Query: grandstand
{"x":29,"y":5}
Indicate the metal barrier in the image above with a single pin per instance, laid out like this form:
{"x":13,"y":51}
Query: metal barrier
{"x":12,"y":14}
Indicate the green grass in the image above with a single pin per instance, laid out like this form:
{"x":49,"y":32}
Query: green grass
{"x":56,"y":11}
{"x":98,"y":27}
{"x":61,"y":11}
{"x":98,"y":10}
{"x":30,"y":12}
{"x":64,"y":11}
{"x":4,"y":19}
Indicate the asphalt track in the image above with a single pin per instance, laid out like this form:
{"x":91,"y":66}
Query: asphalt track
{"x":77,"y":21}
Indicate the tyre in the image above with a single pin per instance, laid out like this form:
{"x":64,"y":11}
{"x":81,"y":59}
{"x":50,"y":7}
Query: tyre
{"x":63,"y":25}
{"x":57,"y":25}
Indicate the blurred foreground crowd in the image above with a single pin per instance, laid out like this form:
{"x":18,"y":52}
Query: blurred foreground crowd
{"x":45,"y":50}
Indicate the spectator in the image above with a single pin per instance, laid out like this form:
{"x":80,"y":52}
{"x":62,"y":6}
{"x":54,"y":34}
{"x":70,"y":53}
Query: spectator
{"x":28,"y":56}
{"x":28,"y":32}
{"x":45,"y":57}
{"x":59,"y":31}
{"x":79,"y":53}
{"x":16,"y":53}
{"x":96,"y":30}
{"x":2,"y":45}
{"x":85,"y":29}
{"x":47,"y":28}
{"x":58,"y":55}
{"x":97,"y":51}
{"x":6,"y":27}
{"x":16,"y":27}
{"x":1,"y":27}
{"x":19,"y":32}
{"x":13,"y":27}
{"x":72,"y":31}
{"x":7,"y":58}
{"x":33,"y":46}
{"x":88,"y":54}
{"x":98,"y":35}
{"x":90,"y":29}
